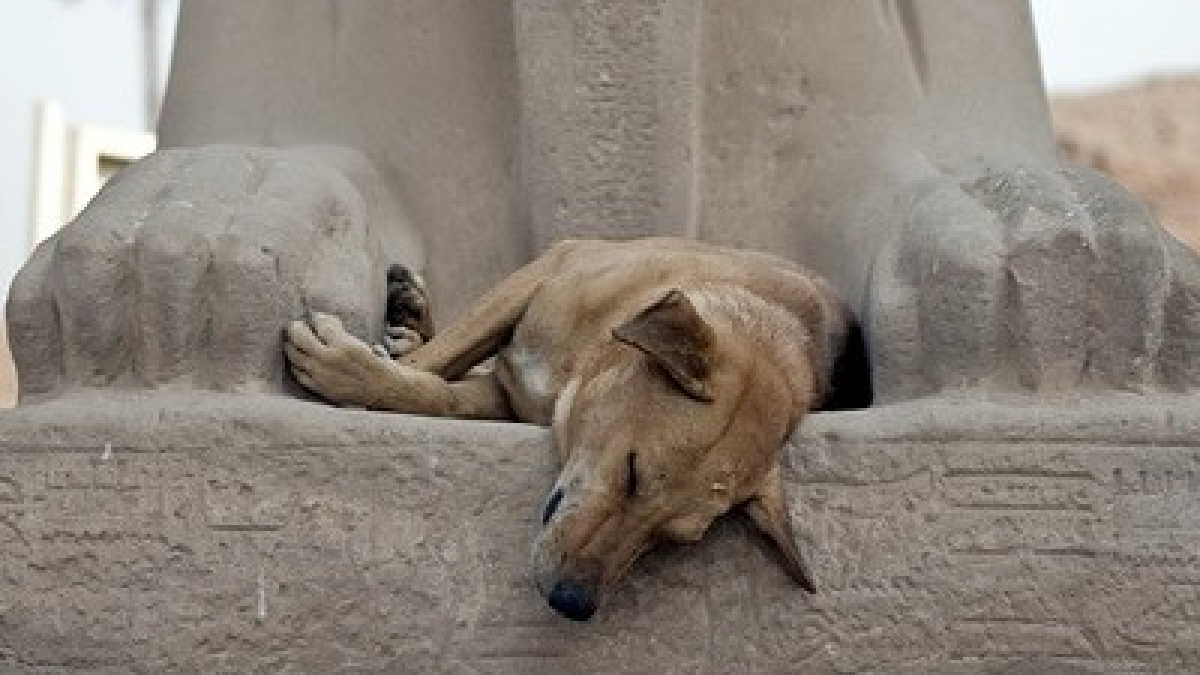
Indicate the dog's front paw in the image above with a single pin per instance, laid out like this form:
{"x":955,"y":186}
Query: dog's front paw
{"x":333,"y":363}
{"x":398,"y":341}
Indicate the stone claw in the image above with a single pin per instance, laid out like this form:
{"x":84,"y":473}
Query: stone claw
{"x":197,"y":306}
{"x":1025,"y":281}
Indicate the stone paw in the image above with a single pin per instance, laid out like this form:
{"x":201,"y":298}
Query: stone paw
{"x":182,"y":270}
{"x":1021,"y":281}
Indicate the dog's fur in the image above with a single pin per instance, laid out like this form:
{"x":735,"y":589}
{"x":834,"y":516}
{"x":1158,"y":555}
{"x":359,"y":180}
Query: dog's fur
{"x":670,"y":371}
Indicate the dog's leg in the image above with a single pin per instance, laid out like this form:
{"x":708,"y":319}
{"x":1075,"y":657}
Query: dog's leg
{"x":480,"y":331}
{"x":480,"y":397}
{"x":326,"y":359}
{"x":333,"y":363}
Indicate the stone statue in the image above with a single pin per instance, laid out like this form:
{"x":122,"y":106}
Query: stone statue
{"x":901,"y":147}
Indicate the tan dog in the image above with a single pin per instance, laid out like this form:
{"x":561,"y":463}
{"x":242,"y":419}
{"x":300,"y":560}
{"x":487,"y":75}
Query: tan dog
{"x":670,"y":371}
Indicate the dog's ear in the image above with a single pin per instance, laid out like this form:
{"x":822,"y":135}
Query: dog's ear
{"x":768,"y":509}
{"x":672,"y":332}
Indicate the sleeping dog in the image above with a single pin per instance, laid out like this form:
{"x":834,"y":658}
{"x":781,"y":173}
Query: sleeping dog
{"x":670,"y":371}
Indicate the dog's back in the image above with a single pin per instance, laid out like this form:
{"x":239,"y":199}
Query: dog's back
{"x":599,"y":285}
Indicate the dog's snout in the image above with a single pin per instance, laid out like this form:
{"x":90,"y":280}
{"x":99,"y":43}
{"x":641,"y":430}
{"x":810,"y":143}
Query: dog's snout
{"x":552,"y":505}
{"x":572,"y":600}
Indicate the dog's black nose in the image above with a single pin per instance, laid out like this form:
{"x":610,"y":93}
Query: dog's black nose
{"x":572,"y":601}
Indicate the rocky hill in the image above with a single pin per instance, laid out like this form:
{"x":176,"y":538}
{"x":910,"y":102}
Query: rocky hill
{"x":1146,"y":136}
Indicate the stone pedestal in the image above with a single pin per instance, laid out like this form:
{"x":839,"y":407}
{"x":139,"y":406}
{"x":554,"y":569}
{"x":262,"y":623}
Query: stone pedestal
{"x":218,"y":533}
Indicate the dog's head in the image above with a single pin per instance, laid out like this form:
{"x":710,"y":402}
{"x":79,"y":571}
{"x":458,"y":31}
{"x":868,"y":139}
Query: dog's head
{"x":676,"y":421}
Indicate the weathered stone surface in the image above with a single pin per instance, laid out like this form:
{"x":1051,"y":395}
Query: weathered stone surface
{"x":260,"y":534}
{"x":8,"y":373}
{"x":1024,"y":280}
{"x":427,"y":89}
{"x":903,"y":148}
{"x":609,"y":116}
{"x":182,"y":271}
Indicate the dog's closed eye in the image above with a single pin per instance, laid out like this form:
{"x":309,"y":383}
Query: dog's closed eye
{"x":552,"y":506}
{"x":631,"y":477}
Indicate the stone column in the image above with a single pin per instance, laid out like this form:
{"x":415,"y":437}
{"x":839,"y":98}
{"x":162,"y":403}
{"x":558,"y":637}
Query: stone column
{"x":610,"y":117}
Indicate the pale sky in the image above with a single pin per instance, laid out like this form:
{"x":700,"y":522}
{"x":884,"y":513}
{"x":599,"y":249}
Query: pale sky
{"x":1097,"y":44}
{"x":85,"y":53}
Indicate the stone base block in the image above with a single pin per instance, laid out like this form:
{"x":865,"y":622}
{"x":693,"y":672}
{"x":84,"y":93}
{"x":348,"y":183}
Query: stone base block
{"x":262,"y":534}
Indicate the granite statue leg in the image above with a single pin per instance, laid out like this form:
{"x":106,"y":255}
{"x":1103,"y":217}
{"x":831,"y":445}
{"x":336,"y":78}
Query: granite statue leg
{"x":1030,"y":281}
{"x":181,"y":273}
